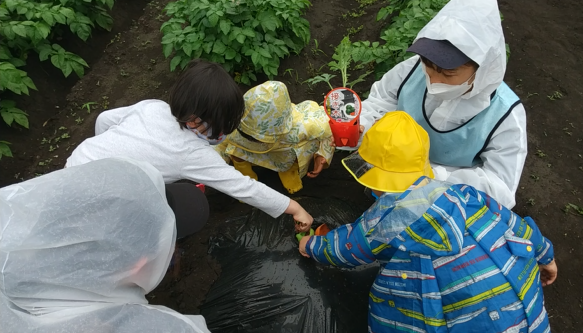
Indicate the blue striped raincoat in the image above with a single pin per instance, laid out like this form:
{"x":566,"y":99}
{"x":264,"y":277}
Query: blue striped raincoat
{"x":452,"y":260}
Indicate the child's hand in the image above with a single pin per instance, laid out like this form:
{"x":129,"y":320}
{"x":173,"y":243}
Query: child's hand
{"x":319,"y":162}
{"x":548,"y":273}
{"x":302,"y":246}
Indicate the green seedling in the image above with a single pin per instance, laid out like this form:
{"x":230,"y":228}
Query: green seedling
{"x":540,"y":153}
{"x":290,"y":72}
{"x":354,"y":31}
{"x":554,"y":96}
{"x":105,"y":102}
{"x":45,"y":162}
{"x":366,"y":3}
{"x":535,"y":177}
{"x":79,"y":120}
{"x":531,"y":94}
{"x":354,"y":14}
{"x":531,"y":201}
{"x":116,"y":38}
{"x":573,"y":209}
{"x":342,"y":58}
{"x":87,"y":106}
{"x":316,"y":49}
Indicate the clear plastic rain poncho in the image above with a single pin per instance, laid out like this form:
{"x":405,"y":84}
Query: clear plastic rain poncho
{"x":400,"y":210}
{"x":81,"y":247}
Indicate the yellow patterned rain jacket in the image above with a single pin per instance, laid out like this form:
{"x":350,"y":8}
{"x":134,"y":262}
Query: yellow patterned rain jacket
{"x":285,"y":132}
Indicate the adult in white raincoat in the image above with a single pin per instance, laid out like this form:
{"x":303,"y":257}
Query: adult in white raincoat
{"x":80,"y":248}
{"x":453,"y":88}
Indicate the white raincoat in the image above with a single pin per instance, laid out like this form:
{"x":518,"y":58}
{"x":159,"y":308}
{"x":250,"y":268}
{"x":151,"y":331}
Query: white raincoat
{"x":474,"y":27}
{"x":80,"y":248}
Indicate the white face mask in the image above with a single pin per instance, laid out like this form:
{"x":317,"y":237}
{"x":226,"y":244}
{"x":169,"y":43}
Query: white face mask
{"x":446,"y":91}
{"x":207,"y":134}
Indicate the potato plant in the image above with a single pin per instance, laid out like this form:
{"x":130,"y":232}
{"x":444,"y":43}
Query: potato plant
{"x":412,"y":16}
{"x":30,"y":27}
{"x":245,"y":36}
{"x":404,"y":27}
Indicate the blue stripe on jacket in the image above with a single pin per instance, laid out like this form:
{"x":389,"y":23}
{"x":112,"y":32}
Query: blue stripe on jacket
{"x":467,"y":264}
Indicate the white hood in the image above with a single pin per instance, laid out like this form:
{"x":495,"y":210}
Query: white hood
{"x":80,"y":248}
{"x":475,"y":28}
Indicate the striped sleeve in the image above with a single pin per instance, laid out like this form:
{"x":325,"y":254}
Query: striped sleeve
{"x":345,"y":246}
{"x":524,"y":228}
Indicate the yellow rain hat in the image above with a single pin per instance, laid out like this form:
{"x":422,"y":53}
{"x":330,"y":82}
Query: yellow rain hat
{"x":393,"y":155}
{"x":268,"y":115}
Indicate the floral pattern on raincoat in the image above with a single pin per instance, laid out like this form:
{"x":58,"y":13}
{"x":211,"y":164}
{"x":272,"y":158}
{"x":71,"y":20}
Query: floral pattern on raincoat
{"x":287,"y":132}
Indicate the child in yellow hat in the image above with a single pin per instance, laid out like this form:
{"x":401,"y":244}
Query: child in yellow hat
{"x":452,"y":258}
{"x":279,"y":135}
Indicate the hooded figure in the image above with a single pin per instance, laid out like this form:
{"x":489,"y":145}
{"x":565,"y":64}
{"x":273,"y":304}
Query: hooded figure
{"x":279,"y":135}
{"x":81,"y":247}
{"x":452,"y":258}
{"x":453,"y":88}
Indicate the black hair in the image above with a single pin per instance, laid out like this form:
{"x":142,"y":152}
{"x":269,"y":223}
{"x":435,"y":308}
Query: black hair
{"x":438,"y":69}
{"x":205,"y":90}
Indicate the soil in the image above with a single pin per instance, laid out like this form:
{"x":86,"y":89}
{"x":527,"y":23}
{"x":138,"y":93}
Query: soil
{"x":127,"y":65}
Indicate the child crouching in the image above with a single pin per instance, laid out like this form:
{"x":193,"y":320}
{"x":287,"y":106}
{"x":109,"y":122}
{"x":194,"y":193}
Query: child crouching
{"x":279,"y":135}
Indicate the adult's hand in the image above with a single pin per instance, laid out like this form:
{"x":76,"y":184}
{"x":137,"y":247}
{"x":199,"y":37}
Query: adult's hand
{"x":303,"y":220}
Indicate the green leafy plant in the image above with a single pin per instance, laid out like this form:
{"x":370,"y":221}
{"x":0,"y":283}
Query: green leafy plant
{"x":245,"y":36}
{"x":10,"y":113}
{"x":32,"y":26}
{"x":412,"y":16}
{"x":326,"y":77}
{"x":404,"y":27}
{"x":5,"y":149}
{"x":342,"y":59}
